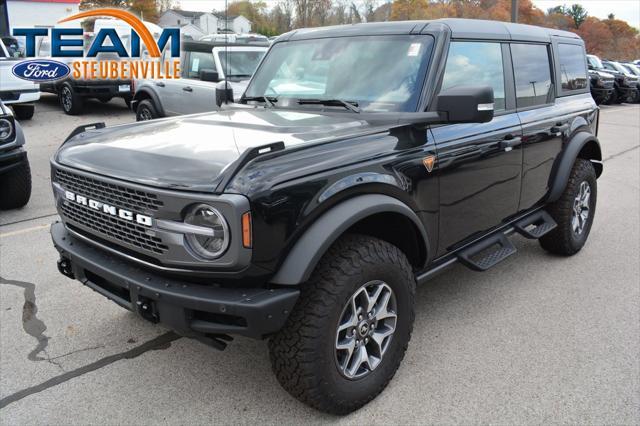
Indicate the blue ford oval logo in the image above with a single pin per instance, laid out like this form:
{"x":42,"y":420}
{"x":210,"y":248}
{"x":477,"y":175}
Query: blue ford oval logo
{"x":40,"y":70}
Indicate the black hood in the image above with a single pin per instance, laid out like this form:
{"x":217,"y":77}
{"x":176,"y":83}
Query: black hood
{"x":193,"y":151}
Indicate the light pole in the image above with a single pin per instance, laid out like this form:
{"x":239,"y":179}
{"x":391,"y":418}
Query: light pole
{"x":514,"y":10}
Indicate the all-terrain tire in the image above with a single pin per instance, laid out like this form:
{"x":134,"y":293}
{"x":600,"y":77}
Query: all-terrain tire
{"x":70,"y":101}
{"x":303,"y":353}
{"x":24,"y":112}
{"x":564,"y":240}
{"x":146,"y":111}
{"x":15,"y":190}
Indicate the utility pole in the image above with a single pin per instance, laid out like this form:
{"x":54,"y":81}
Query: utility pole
{"x":514,"y":10}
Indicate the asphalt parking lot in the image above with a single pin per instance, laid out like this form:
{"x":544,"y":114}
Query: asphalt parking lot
{"x":538,"y":339}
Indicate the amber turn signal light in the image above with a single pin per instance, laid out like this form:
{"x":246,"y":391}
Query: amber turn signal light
{"x":246,"y":230}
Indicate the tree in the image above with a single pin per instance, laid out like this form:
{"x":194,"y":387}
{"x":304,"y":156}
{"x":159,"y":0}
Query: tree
{"x":597,"y":36}
{"x":578,"y":14}
{"x":95,"y":4}
{"x":145,"y":9}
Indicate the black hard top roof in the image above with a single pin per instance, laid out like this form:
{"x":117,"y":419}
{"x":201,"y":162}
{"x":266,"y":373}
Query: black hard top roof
{"x":460,"y":28}
{"x":206,"y":46}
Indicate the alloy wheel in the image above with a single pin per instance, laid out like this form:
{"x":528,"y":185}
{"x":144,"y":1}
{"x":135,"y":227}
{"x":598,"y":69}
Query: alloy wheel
{"x":365,"y":330}
{"x":581,"y":208}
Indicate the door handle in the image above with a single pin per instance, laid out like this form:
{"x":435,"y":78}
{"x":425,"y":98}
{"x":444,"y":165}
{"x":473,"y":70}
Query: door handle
{"x":559,"y":128}
{"x":159,"y":84}
{"x":187,"y":89}
{"x":509,"y":142}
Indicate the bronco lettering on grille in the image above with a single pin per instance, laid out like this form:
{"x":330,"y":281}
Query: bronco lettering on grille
{"x":108,"y":209}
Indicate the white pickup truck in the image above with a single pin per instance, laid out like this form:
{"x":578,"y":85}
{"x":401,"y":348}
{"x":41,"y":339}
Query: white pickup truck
{"x":20,"y":94}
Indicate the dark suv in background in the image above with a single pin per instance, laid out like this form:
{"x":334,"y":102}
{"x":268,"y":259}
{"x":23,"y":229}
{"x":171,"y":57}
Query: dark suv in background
{"x":361,"y":161}
{"x":625,"y":84}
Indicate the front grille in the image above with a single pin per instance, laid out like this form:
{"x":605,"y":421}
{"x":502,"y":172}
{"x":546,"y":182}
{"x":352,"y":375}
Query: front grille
{"x":118,"y":195}
{"x":114,"y":227}
{"x":608,"y":84}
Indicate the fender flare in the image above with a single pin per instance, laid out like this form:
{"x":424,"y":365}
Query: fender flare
{"x":154,"y":97}
{"x":311,"y":246}
{"x":564,"y":163}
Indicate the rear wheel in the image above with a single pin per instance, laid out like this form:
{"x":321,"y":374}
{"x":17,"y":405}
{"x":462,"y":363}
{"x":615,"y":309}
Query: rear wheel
{"x":24,"y":112}
{"x":349,"y":331}
{"x":573,"y":212}
{"x":146,"y":111}
{"x":15,"y":189}
{"x":70,"y":101}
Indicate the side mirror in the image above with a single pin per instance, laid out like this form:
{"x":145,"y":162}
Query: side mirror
{"x":224,"y":93}
{"x":466,"y":104}
{"x":209,"y":75}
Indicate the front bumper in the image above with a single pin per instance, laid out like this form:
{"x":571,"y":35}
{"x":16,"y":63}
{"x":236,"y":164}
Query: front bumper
{"x":103,"y":88}
{"x":191,"y":310}
{"x":600,"y":93}
{"x":19,"y":96}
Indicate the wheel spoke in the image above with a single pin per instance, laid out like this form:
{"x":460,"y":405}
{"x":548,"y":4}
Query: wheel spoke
{"x":360,"y":357}
{"x":382,"y":311}
{"x":380,"y":335}
{"x":347,"y":345}
{"x":372,"y":299}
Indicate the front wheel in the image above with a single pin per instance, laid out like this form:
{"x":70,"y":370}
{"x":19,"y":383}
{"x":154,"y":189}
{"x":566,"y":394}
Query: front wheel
{"x":146,"y":111}
{"x":70,"y":101}
{"x":24,"y":112}
{"x":573,"y":212}
{"x":350,"y":329}
{"x":15,"y":187}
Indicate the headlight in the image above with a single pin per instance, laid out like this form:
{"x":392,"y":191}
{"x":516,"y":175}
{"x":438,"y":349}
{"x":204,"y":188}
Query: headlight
{"x":6,"y":129}
{"x":214,"y":244}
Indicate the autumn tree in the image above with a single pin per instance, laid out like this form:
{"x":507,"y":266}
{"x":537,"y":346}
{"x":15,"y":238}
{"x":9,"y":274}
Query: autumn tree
{"x":145,"y":9}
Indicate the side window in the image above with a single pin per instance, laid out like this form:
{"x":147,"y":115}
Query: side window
{"x":532,"y":72}
{"x":476,"y":63}
{"x":608,"y":66}
{"x":199,"y":61}
{"x":573,"y":72}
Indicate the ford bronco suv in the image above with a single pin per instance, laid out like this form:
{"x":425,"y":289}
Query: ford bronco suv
{"x":360,"y":161}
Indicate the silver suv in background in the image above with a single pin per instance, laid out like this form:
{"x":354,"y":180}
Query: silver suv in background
{"x":203,"y":66}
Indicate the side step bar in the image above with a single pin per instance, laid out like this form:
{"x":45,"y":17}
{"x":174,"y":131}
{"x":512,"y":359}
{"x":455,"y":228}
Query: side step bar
{"x":491,"y":250}
{"x":536,"y":225}
{"x":487,"y":253}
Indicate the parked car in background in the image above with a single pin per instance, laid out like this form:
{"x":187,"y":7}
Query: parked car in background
{"x":626,"y":83}
{"x":602,"y":85}
{"x":20,"y":94}
{"x":204,"y":66}
{"x":635,"y":70}
{"x":15,"y":173}
{"x":72,"y":92}
{"x":236,"y":38}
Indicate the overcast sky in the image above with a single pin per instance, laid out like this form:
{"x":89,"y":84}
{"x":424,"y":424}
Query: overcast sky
{"x":628,"y":10}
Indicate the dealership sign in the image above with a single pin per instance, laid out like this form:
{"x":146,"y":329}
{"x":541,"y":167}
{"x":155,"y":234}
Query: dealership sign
{"x":69,"y":43}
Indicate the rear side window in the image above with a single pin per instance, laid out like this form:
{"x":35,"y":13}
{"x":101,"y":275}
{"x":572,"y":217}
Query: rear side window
{"x":532,"y":72}
{"x":573,"y":70}
{"x":476,"y":63}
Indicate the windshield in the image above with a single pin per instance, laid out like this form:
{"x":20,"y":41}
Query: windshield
{"x":240,"y":63}
{"x":634,"y":69}
{"x":378,"y":73}
{"x":594,"y":61}
{"x":619,"y":67}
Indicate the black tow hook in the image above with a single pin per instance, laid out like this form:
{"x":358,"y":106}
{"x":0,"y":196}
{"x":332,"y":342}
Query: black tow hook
{"x":64,"y":266}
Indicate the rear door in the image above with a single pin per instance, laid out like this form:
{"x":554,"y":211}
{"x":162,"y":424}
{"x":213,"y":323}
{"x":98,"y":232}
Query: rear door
{"x":479,"y":165}
{"x":546,"y":117}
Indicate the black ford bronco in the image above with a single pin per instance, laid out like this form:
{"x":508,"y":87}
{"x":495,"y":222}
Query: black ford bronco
{"x":360,"y":161}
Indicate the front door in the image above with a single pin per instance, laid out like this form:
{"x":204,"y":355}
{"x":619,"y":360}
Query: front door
{"x":479,"y":165}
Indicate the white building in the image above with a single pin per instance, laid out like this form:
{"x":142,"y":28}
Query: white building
{"x":208,"y":23}
{"x":39,"y":13}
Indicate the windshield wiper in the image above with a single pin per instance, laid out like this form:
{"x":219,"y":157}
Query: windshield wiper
{"x":268,"y":100}
{"x":350,"y":105}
